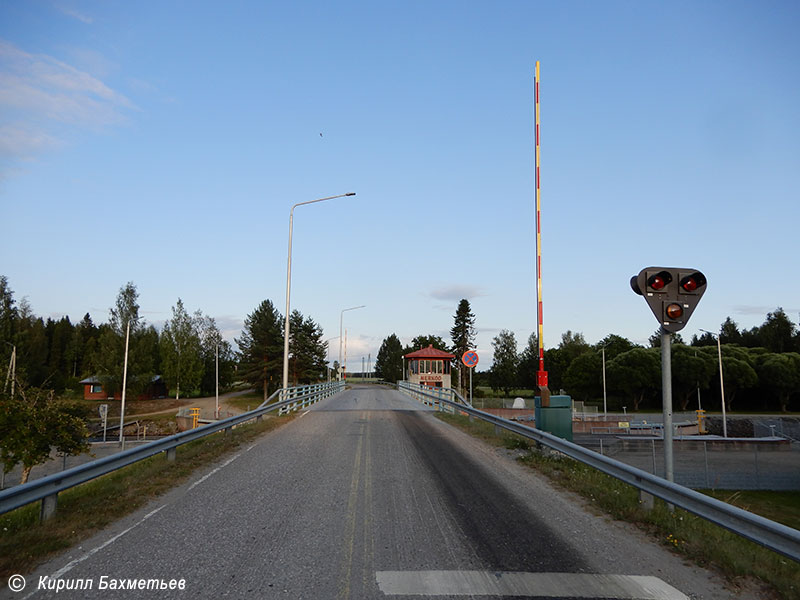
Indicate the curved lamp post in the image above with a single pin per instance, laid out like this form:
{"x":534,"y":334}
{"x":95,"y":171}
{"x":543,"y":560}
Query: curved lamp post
{"x":341,"y":316}
{"x":721,"y":383}
{"x":289,"y":285}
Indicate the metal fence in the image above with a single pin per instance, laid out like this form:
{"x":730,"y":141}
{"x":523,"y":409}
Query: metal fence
{"x":47,"y":488}
{"x":770,"y":534}
{"x":779,"y":427}
{"x":703,"y":464}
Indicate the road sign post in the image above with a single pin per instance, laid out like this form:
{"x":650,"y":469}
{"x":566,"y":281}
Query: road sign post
{"x":470,"y":360}
{"x":672,"y":293}
{"x":103,"y":408}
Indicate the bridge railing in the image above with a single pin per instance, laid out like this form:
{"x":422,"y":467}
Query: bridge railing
{"x":770,"y":534}
{"x":47,"y":488}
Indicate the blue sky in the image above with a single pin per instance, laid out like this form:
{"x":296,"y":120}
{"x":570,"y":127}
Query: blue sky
{"x":164,"y":143}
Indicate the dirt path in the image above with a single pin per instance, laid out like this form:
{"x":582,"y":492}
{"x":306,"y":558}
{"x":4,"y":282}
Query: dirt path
{"x":206,"y":406}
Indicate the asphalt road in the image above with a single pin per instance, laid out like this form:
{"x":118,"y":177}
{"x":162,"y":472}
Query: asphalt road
{"x":368,"y":495}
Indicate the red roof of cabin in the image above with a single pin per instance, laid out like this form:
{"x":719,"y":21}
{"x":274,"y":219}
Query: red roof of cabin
{"x":430,"y":352}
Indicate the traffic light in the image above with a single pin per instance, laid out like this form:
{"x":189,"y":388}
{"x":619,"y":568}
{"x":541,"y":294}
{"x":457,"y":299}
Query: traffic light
{"x":671,"y":293}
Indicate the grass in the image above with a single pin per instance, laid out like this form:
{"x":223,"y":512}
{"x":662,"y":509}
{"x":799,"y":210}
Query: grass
{"x":693,"y":537}
{"x":85,"y":509}
{"x":246,"y":402}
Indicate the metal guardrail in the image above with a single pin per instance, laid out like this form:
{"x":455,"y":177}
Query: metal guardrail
{"x":47,"y":488}
{"x":775,"y":536}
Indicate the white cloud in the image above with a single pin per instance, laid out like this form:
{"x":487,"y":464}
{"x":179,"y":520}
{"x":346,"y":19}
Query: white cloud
{"x":16,"y":141}
{"x":71,"y":12}
{"x":746,"y":309}
{"x":456,"y":292}
{"x":40,"y":94}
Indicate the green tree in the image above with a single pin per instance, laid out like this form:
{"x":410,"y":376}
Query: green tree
{"x":737,"y":368}
{"x":8,"y":321}
{"x":729,"y":332}
{"x":635,"y":373}
{"x":690,"y":370}
{"x":32,"y":423}
{"x":261,"y":348}
{"x":110,"y":355}
{"x":31,"y":341}
{"x":572,"y":345}
{"x":463,"y":335}
{"x":59,"y":335}
{"x":211,"y":343}
{"x":777,"y":332}
{"x":423,"y":341}
{"x":389,"y":361}
{"x":180,"y":351}
{"x":83,"y":347}
{"x":780,"y":373}
{"x":614,"y":345}
{"x":738,"y":375}
{"x":503,"y":374}
{"x":529,"y":363}
{"x":584,"y":376}
{"x":707,"y":339}
{"x":307,"y":350}
{"x":655,"y":339}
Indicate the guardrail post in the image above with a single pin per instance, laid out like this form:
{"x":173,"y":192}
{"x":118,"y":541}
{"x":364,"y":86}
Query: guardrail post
{"x":171,"y":454}
{"x":49,"y":505}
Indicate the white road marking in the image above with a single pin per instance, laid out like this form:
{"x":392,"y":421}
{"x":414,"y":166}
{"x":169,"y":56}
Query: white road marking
{"x":548,"y":585}
{"x":207,"y":475}
{"x":304,"y":414}
{"x":70,"y":565}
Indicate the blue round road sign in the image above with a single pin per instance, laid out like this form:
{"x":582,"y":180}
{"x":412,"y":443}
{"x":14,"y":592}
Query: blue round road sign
{"x":470,"y":358}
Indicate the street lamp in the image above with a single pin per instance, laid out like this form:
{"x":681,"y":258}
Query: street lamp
{"x":721,"y":382}
{"x":341,"y":316}
{"x":289,"y":285}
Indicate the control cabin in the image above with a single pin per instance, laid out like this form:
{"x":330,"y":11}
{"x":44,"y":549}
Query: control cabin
{"x":430,"y":367}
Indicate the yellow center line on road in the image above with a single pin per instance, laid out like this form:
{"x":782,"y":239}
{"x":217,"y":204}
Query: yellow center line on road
{"x":350,"y":527}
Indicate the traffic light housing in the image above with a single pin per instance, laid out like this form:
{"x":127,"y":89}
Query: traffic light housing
{"x":672,"y":293}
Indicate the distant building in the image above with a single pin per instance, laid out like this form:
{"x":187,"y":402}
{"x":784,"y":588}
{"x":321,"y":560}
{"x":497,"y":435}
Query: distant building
{"x":93,"y":390}
{"x":430,"y":367}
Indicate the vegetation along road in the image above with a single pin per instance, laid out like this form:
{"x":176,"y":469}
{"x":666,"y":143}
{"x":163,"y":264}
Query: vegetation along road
{"x":368,"y":495}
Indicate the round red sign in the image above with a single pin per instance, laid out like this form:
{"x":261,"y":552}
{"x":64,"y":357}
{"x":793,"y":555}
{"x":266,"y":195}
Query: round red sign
{"x":470,"y":358}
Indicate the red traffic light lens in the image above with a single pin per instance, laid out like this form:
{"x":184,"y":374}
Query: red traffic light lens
{"x":656,"y":282}
{"x":689,"y":284}
{"x":674,"y":311}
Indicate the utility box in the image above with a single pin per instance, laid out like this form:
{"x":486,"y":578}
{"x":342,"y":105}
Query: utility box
{"x":556,"y":418}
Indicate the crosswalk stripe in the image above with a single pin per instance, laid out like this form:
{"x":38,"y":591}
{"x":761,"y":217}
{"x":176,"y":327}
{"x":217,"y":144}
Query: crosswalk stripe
{"x":550,"y":585}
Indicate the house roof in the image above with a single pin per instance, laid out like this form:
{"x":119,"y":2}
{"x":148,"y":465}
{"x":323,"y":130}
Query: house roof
{"x":430,"y":352}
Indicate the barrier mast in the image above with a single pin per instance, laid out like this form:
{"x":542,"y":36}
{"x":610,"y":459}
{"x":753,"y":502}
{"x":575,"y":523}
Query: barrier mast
{"x":541,"y":375}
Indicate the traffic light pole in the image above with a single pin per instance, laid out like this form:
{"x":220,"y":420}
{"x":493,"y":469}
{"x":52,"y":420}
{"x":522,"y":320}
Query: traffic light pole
{"x":666,"y":386}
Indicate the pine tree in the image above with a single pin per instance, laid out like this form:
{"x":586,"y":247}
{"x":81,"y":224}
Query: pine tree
{"x":261,"y":348}
{"x":307,"y":351}
{"x":463,"y":336}
{"x":389,"y":361}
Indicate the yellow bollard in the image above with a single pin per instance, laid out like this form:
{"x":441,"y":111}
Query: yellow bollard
{"x":701,"y":423}
{"x":195,"y":414}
